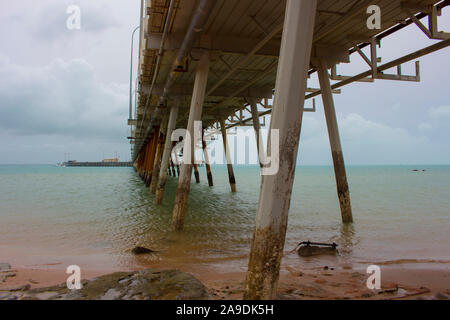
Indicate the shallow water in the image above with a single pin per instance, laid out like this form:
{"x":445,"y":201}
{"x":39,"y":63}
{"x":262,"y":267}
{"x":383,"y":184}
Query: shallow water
{"x":93,"y":217}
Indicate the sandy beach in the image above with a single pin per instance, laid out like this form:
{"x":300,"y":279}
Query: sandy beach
{"x":328,"y":282}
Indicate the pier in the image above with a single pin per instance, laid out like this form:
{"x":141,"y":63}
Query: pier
{"x":221,"y":62}
{"x":97,"y":164}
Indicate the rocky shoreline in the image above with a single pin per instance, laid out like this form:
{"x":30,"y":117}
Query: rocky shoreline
{"x":148,"y":284}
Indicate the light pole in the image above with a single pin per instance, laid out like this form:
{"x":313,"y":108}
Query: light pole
{"x":131,"y":73}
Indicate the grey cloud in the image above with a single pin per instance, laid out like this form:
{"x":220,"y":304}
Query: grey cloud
{"x":369,"y":142}
{"x":62,"y":98}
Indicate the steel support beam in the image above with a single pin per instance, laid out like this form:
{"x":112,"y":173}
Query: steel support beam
{"x":186,"y":90}
{"x":246,"y":58}
{"x":394,"y":63}
{"x":196,"y":26}
{"x":221,"y":43}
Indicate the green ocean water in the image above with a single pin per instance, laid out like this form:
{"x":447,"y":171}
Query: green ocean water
{"x":92,"y":217}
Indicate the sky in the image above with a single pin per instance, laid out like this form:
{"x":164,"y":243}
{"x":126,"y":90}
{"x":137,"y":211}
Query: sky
{"x":66,"y":91}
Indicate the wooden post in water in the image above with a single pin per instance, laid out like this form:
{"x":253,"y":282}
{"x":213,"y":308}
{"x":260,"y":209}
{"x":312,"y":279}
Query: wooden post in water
{"x":167,"y":155}
{"x":159,"y":152}
{"x":335,"y":143}
{"x":231,"y":178}
{"x":275,"y":192}
{"x":207,"y":165}
{"x":195,"y":114}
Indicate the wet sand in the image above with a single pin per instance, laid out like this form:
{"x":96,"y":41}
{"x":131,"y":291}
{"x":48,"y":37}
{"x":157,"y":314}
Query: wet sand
{"x":328,"y":282}
{"x":321,"y":284}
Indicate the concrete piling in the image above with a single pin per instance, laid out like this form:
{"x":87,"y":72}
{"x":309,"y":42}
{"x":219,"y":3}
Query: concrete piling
{"x":159,"y":153}
{"x":172,"y":168}
{"x":195,"y":113}
{"x":335,"y":143}
{"x":156,"y":166}
{"x":145,"y":161}
{"x":231,"y":177}
{"x":196,"y":173}
{"x":177,"y":165}
{"x":151,"y":157}
{"x":167,"y":155}
{"x":275,"y":192}
{"x":257,"y":128}
{"x":207,"y":164}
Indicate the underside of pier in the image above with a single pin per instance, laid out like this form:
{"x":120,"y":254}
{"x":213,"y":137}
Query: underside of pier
{"x":227,"y":63}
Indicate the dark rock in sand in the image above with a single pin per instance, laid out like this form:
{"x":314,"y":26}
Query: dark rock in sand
{"x":142,"y":250}
{"x":19,"y":288}
{"x":8,"y":297}
{"x":149,"y":284}
{"x":5,"y":275}
{"x":309,"y":251}
{"x":5,"y":267}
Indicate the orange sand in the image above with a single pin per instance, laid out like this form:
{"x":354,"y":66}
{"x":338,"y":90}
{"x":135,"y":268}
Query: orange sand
{"x":314,"y":283}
